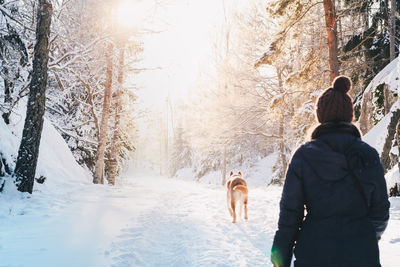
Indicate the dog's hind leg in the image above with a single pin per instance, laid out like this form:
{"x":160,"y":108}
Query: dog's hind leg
{"x":240,"y":208}
{"x":233,"y":204}
{"x":228,"y":203}
{"x":245,"y":208}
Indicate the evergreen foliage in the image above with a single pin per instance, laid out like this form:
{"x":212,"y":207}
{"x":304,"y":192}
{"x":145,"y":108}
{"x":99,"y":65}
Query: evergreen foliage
{"x":366,"y":48}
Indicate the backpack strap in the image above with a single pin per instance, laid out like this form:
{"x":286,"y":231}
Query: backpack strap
{"x":359,"y":186}
{"x":356,"y":181}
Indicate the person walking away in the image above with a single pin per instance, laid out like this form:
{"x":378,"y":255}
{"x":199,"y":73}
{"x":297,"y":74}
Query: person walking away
{"x":340,"y":182}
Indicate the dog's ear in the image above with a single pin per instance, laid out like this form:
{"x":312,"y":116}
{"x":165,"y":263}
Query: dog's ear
{"x":240,"y":173}
{"x":231,"y":173}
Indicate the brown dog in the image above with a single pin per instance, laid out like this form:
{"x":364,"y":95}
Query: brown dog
{"x":236,"y":191}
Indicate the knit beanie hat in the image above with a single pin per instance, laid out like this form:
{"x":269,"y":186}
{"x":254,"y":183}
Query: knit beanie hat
{"x":334,"y":104}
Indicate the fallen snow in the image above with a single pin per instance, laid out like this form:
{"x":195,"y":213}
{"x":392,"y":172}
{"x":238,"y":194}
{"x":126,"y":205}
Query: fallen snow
{"x":148,"y":221}
{"x":388,"y":75}
{"x":55,"y":162}
{"x":393,"y":177}
{"x":376,"y":137}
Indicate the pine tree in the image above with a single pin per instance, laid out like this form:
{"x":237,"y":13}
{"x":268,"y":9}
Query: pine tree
{"x":28,"y":152}
{"x":181,"y":154}
{"x":392,"y":32}
{"x":366,"y":51}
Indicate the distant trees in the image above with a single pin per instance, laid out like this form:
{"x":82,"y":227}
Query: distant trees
{"x":181,"y":154}
{"x":28,"y":152}
{"x":229,"y":125}
{"x":261,"y":97}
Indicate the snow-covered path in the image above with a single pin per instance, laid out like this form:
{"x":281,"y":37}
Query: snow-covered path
{"x":149,"y":221}
{"x":189,"y":226}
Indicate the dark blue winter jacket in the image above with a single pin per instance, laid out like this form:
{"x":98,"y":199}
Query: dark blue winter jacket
{"x":343,"y":221}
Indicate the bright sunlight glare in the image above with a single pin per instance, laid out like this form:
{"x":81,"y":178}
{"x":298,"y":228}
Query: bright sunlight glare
{"x":183,"y":50}
{"x":131,"y":13}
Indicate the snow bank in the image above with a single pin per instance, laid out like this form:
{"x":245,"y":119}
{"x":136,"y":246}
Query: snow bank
{"x":389,"y":75}
{"x":393,"y":177}
{"x":377,"y":135}
{"x":372,"y":107}
{"x":55,"y":162}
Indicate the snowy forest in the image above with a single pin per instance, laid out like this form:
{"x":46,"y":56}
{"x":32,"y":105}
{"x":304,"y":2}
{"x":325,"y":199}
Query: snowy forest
{"x":113,"y":110}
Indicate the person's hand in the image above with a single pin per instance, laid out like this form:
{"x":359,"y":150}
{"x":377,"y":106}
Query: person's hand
{"x":276,"y":258}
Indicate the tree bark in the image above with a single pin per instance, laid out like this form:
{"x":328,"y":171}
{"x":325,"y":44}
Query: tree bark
{"x":224,"y":167}
{"x":331,"y":29}
{"x":391,"y":131}
{"x":281,"y":127}
{"x":282,"y":147}
{"x":114,"y":142}
{"x":98,"y":176}
{"x":366,"y":18}
{"x":28,"y":152}
{"x":398,"y":142}
{"x":392,"y":32}
{"x":8,"y":87}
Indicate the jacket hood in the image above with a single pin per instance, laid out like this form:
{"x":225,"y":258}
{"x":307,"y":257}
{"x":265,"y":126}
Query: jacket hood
{"x":326,"y":153}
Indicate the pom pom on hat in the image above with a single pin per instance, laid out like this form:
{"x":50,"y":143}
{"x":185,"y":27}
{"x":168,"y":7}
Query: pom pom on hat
{"x":342,"y":84}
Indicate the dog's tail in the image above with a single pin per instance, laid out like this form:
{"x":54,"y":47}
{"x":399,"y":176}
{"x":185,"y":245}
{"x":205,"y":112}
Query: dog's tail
{"x":241,"y":188}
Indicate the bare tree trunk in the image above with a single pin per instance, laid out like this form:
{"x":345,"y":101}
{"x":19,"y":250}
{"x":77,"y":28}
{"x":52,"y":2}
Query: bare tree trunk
{"x":331,"y":28}
{"x":98,"y":176}
{"x":8,"y":87}
{"x":340,"y":37}
{"x":281,"y":128}
{"x":282,"y":150}
{"x":161,"y":144}
{"x":7,"y":96}
{"x":398,"y":141}
{"x":114,"y":142}
{"x":28,"y":152}
{"x":365,"y":17}
{"x":223,"y":173}
{"x":167,"y":139}
{"x":391,"y":131}
{"x":392,"y":32}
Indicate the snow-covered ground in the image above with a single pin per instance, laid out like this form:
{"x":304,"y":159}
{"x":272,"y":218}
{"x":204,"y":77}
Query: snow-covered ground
{"x":147,"y":220}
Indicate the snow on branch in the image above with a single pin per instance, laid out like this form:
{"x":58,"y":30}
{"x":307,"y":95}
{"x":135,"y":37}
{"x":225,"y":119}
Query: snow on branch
{"x":6,"y":13}
{"x":75,"y":136}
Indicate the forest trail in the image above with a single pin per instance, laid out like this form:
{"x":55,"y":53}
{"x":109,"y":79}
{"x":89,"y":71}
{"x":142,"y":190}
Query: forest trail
{"x":189,"y":225}
{"x":148,"y":221}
